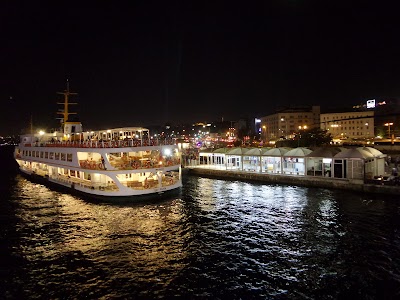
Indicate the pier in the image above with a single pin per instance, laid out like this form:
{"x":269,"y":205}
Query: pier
{"x":356,"y":185}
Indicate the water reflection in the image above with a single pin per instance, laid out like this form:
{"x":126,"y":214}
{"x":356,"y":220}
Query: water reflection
{"x":138,"y":239}
{"x":221,"y":238}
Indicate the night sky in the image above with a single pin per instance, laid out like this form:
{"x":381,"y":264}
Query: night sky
{"x":142,"y":63}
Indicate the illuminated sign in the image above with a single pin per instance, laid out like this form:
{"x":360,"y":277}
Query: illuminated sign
{"x":371,"y":103}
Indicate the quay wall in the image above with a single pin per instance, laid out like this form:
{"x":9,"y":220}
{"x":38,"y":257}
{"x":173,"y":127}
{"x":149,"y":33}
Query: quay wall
{"x":322,"y":182}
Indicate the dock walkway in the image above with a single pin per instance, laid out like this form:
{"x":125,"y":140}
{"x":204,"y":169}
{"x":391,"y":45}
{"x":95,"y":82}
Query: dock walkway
{"x":322,"y":182}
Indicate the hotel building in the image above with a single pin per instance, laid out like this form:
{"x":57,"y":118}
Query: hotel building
{"x":349,"y":125}
{"x":285,"y":122}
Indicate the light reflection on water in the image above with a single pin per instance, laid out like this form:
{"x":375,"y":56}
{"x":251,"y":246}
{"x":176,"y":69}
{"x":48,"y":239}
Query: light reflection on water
{"x":220,"y":239}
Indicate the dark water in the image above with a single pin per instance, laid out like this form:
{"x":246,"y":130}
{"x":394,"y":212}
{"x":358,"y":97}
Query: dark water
{"x":218,"y":240}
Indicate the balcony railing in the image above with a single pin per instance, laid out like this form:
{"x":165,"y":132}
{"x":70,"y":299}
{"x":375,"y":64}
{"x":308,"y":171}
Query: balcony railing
{"x":103,"y":144}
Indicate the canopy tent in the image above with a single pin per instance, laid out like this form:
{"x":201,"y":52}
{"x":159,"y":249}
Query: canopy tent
{"x":205,"y":156}
{"x":325,"y":151}
{"x":297,"y":152}
{"x":338,"y":162}
{"x":319,"y":161}
{"x":294,"y":162}
{"x":276,"y":151}
{"x":234,"y":158}
{"x":354,"y":153}
{"x":373,"y":151}
{"x":222,"y":150}
{"x":351,"y":163}
{"x":253,"y":152}
{"x":271,"y":160}
{"x":376,"y":168}
{"x":252,"y":160}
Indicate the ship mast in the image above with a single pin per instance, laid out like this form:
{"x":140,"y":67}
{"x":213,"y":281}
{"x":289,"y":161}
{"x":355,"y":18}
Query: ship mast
{"x":31,"y":125}
{"x":65,"y":112}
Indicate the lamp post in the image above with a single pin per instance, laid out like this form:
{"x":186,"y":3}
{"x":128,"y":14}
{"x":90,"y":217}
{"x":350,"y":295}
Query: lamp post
{"x":256,"y":130}
{"x":300,"y":128}
{"x":285,"y":132}
{"x":264,"y":133}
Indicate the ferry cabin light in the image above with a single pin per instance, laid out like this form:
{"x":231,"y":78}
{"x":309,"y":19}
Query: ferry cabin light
{"x":167,"y":152}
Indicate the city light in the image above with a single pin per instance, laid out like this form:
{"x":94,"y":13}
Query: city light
{"x":388,"y":125}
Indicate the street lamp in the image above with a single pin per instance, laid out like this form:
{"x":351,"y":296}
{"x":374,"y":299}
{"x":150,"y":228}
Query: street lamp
{"x":285,"y":132}
{"x":388,"y":125}
{"x":304,"y":127}
{"x":264,"y":133}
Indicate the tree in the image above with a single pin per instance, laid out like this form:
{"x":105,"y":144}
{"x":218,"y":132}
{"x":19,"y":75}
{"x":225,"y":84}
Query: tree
{"x":308,"y":137}
{"x":315,"y":137}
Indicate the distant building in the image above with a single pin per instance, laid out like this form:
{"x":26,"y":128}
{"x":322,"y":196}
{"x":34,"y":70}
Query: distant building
{"x":387,"y":111}
{"x":349,"y":125}
{"x":285,"y":122}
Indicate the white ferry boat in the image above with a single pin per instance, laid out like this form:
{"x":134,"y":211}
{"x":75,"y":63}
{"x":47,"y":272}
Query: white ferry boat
{"x":120,"y":162}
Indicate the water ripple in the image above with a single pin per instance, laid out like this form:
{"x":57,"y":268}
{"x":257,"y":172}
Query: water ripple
{"x":220,"y":239}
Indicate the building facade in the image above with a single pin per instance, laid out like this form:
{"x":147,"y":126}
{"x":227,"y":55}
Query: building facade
{"x":349,"y":125}
{"x":286,"y":122}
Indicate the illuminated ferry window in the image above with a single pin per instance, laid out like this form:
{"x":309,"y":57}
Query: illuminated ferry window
{"x":46,"y":155}
{"x":69,"y":157}
{"x":37,"y":153}
{"x":41,"y":154}
{"x":57,"y":156}
{"x":51,"y":156}
{"x":62,"y":156}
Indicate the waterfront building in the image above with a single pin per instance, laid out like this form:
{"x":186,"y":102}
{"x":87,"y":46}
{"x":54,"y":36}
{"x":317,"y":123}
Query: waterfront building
{"x":252,"y":159}
{"x":234,"y":158}
{"x":284,"y":123}
{"x":319,"y":161}
{"x":359,"y":163}
{"x":272,"y":160}
{"x":294,"y":162}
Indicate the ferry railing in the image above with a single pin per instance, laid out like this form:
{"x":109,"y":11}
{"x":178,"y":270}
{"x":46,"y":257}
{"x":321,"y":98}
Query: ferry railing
{"x":129,"y":164}
{"x":104,"y":144}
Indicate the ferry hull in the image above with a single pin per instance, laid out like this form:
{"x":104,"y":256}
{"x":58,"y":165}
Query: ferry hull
{"x":70,"y":189}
